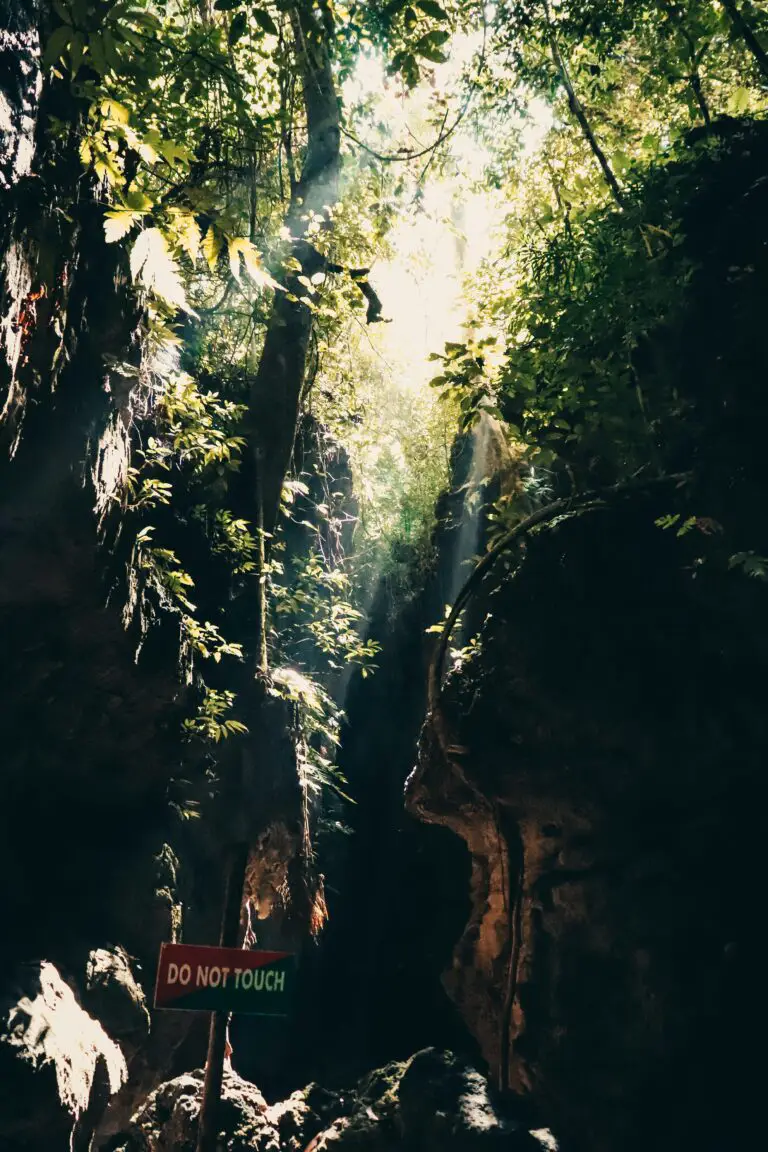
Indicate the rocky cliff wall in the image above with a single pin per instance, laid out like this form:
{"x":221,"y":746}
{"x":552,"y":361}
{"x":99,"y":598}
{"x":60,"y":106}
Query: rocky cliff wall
{"x":603,"y":763}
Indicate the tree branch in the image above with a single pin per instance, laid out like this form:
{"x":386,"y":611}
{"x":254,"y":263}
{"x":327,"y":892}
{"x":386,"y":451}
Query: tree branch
{"x":276,"y":390}
{"x":744,"y":29}
{"x":577,"y":109}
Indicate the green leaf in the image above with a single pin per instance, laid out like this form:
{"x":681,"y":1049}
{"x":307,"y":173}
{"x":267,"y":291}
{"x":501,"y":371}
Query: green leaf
{"x":110,"y":50}
{"x":393,"y":8}
{"x":238,"y":28}
{"x":115,"y":111}
{"x":118,"y":223}
{"x":738,"y":102}
{"x":97,"y":54}
{"x":76,"y":51}
{"x":433,"y":54}
{"x":56,"y":46}
{"x":227,"y":5}
{"x":173,"y":153}
{"x":621,"y":161}
{"x":153,"y":266}
{"x":264,"y":21}
{"x":138,"y":201}
{"x":186,"y":231}
{"x":431,"y":8}
{"x":432,"y":40}
{"x":106,"y":170}
{"x":235,"y":726}
{"x":410,"y":71}
{"x":241,"y":246}
{"x":62,"y":11}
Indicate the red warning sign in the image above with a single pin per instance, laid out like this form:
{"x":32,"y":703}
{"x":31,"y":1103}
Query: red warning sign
{"x":203,"y":979}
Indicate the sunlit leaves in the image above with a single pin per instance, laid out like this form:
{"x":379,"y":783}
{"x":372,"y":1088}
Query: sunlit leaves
{"x":118,"y":223}
{"x":213,"y":243}
{"x":244,"y":254}
{"x":739,"y":101}
{"x":186,"y":231}
{"x":115,"y":112}
{"x":153,"y":267}
{"x":211,"y":721}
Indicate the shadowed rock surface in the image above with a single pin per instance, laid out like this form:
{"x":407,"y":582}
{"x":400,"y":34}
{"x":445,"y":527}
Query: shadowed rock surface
{"x":603,"y":749}
{"x":431,"y":1102}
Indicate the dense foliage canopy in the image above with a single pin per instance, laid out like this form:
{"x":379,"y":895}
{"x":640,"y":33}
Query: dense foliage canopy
{"x":258,"y":161}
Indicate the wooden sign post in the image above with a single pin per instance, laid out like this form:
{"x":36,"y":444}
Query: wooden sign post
{"x":235,"y":875}
{"x":222,"y":980}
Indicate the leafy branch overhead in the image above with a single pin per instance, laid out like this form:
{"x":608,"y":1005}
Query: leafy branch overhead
{"x":253,"y":162}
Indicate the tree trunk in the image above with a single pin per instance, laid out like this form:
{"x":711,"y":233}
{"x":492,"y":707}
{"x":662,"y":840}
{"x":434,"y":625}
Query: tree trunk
{"x":677,"y":17}
{"x":276,"y":391}
{"x":744,"y":30}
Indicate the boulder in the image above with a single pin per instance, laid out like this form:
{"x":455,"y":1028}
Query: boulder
{"x":114,"y":996}
{"x":169,"y":1118}
{"x":445,"y":1103}
{"x":58,"y":1067}
{"x":598,"y":760}
{"x":431,"y":1103}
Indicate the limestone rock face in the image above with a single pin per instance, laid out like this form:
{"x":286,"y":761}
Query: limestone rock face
{"x":601,"y":752}
{"x":169,"y":1119}
{"x":433,"y":1103}
{"x":443,"y":1101}
{"x":116,"y":998}
{"x":58,"y":1067}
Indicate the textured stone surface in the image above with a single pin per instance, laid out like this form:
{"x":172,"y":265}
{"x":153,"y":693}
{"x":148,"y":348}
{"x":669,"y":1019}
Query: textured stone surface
{"x":19,"y":87}
{"x":115,"y":997}
{"x":58,"y":1067}
{"x":600,"y":777}
{"x":602,"y":755}
{"x":433,"y":1103}
{"x":169,"y":1119}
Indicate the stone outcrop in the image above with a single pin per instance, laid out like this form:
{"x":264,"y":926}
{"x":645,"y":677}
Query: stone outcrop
{"x":58,"y":1067}
{"x":602,"y":753}
{"x":114,"y":996}
{"x":432,"y":1102}
{"x":600,"y":756}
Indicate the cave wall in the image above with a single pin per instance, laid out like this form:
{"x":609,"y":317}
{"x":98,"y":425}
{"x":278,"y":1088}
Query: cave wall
{"x":608,"y":743}
{"x":396,"y":889}
{"x":92,"y":851}
{"x":86,"y":733}
{"x":90,"y":738}
{"x":602,"y":754}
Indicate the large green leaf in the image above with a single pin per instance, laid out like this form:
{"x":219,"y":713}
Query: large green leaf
{"x":264,"y":21}
{"x":238,"y":28}
{"x":57,"y":45}
{"x":432,"y":8}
